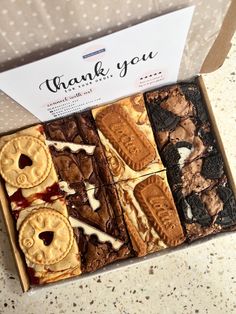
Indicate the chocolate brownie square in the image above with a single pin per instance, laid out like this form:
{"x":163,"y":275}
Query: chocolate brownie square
{"x":195,"y":167}
{"x":180,"y":123}
{"x":77,"y":152}
{"x":98,"y":223}
{"x":204,"y":197}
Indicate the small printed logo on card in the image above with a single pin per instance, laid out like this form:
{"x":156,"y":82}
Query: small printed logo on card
{"x":94,"y":53}
{"x":150,"y":79}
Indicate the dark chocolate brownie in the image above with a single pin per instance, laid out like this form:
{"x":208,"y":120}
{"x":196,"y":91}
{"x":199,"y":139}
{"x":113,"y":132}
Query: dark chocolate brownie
{"x":93,"y":203}
{"x":78,"y":167}
{"x":180,"y":123}
{"x":195,"y":168}
{"x":107,"y":219}
{"x":203,"y":196}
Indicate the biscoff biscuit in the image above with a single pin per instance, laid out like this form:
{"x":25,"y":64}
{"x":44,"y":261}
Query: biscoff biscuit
{"x":29,"y":175}
{"x":33,"y":235}
{"x":155,"y":199}
{"x":131,"y":143}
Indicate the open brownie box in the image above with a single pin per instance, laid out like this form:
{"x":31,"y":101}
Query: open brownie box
{"x":106,"y":213}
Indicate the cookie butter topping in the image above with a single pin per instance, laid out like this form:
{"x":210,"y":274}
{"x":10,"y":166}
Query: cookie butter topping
{"x":144,"y":237}
{"x":116,"y":164}
{"x":138,"y":103}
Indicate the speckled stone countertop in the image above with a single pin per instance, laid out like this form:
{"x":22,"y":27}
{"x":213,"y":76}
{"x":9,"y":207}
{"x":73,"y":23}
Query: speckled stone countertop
{"x":200,"y":279}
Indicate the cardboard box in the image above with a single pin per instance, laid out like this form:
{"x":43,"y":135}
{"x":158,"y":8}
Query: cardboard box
{"x":214,"y":59}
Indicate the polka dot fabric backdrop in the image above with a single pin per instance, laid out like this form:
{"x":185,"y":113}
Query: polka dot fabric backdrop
{"x":33,"y":29}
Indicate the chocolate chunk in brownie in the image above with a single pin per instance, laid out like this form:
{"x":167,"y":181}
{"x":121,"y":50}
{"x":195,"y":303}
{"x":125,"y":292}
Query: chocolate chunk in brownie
{"x":172,"y":154}
{"x":198,"y":210}
{"x":206,"y":201}
{"x":184,"y":103}
{"x":212,"y":167}
{"x":192,"y":93}
{"x":162,"y":119}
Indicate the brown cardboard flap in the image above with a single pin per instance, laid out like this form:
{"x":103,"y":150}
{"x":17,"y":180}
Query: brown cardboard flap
{"x":13,"y":240}
{"x":222,"y":44}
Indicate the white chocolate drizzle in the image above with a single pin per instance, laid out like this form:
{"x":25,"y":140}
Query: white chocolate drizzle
{"x":75,"y":148}
{"x":64,"y":186}
{"x":94,"y":203}
{"x":89,"y":230}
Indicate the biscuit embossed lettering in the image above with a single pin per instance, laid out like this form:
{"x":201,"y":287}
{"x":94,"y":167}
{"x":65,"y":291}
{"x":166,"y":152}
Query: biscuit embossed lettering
{"x":131,"y":143}
{"x":155,"y":200}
